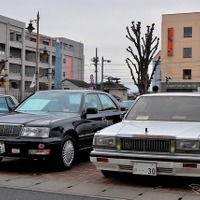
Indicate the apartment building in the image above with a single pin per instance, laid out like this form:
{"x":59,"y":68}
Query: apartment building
{"x":180,"y":52}
{"x":18,"y":48}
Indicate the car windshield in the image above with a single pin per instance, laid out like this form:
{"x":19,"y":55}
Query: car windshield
{"x":167,"y":108}
{"x":127,"y":104}
{"x":52,"y":102}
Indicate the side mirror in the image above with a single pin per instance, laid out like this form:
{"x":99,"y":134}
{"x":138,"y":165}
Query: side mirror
{"x":91,"y":110}
{"x":123,"y":109}
{"x":122,"y":115}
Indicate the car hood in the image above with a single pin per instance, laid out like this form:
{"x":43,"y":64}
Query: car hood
{"x":31,"y":119}
{"x":190,"y":130}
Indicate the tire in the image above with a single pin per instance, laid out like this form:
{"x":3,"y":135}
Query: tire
{"x":67,"y":153}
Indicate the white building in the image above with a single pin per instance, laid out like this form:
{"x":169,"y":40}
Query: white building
{"x":18,"y":47}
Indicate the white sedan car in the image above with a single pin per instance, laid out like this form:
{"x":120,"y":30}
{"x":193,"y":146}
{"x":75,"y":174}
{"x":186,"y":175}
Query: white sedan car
{"x":159,"y":135}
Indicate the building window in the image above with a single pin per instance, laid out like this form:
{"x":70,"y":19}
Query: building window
{"x":65,"y":46}
{"x":187,"y":73}
{"x":71,"y":48}
{"x":64,"y":60}
{"x":187,"y":32}
{"x":45,"y":42}
{"x":2,"y":49}
{"x":187,"y":52}
{"x":18,"y":38}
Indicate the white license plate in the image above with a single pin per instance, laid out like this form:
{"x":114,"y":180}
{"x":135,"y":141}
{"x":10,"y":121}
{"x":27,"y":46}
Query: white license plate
{"x":2,"y":148}
{"x":144,"y":168}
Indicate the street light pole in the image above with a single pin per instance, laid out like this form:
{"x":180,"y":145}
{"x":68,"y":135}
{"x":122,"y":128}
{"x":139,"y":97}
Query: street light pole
{"x":102,"y":70}
{"x":95,"y":60}
{"x":30,"y":29}
{"x":37,"y":59}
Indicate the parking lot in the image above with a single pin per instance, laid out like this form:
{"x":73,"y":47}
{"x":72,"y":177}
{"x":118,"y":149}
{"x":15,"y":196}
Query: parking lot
{"x":85,"y":180}
{"x":84,"y":171}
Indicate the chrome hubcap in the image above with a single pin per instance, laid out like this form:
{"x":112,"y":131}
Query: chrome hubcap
{"x":68,"y":153}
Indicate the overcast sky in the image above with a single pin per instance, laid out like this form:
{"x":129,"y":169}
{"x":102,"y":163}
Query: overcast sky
{"x":97,"y":24}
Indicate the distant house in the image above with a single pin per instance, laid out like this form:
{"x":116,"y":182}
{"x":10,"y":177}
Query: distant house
{"x":72,"y":84}
{"x":119,"y":91}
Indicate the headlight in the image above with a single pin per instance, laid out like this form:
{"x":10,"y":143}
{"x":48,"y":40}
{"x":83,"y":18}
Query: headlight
{"x":40,"y":132}
{"x":187,"y":145}
{"x":104,"y":142}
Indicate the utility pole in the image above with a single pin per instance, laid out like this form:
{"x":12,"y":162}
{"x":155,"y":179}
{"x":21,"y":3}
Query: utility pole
{"x":95,"y":60}
{"x":102,"y":70}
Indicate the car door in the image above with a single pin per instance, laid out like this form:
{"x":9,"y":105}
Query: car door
{"x":93,"y":122}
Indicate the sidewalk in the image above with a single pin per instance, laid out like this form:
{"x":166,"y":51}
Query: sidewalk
{"x":104,"y":191}
{"x":85,"y":180}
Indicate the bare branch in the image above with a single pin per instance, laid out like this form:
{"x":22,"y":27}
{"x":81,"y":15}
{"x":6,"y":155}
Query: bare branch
{"x":132,"y":75}
{"x":146,"y":47}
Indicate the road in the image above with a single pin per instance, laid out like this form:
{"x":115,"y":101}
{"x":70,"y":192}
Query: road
{"x":85,"y":180}
{"x":16,"y":194}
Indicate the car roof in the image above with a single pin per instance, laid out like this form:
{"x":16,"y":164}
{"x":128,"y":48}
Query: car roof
{"x":13,"y":98}
{"x":5,"y":95}
{"x":81,"y":91}
{"x":174,"y":94}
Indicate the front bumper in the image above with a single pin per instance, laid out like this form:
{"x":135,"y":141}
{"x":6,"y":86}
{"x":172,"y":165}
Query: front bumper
{"x":29,"y":148}
{"x":165,"y":165}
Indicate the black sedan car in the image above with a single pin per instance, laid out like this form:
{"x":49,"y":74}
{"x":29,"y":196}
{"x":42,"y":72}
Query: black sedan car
{"x":56,"y":124}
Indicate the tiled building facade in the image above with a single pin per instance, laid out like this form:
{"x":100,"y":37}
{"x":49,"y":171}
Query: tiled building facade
{"x":180,"y":52}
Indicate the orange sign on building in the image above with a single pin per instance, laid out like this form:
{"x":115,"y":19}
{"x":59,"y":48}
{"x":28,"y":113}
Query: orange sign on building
{"x":170,"y":42}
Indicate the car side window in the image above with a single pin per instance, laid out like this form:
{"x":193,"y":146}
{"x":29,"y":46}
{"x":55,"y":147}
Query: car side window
{"x":107,"y":102}
{"x":10,"y":102}
{"x":3,"y":105}
{"x":92,"y":100}
{"x":74,"y":102}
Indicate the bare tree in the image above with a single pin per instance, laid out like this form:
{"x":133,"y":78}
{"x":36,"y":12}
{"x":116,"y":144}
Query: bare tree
{"x":145,"y":47}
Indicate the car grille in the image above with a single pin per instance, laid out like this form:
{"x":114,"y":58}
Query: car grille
{"x":10,"y":130}
{"x":145,"y":145}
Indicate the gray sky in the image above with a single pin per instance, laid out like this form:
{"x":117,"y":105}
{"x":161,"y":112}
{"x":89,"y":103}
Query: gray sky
{"x":98,"y":24}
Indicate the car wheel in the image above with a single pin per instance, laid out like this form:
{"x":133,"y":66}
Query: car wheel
{"x":68,"y":152}
{"x":109,"y":174}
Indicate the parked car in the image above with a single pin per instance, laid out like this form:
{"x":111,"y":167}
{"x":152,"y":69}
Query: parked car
{"x":56,"y":124}
{"x":159,"y":135}
{"x":7,"y":103}
{"x":127,"y":103}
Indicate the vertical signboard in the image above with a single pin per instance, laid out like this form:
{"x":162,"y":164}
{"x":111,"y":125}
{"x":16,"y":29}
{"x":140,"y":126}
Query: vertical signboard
{"x":170,"y":42}
{"x":91,"y":81}
{"x":58,"y":73}
{"x":69,"y":67}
